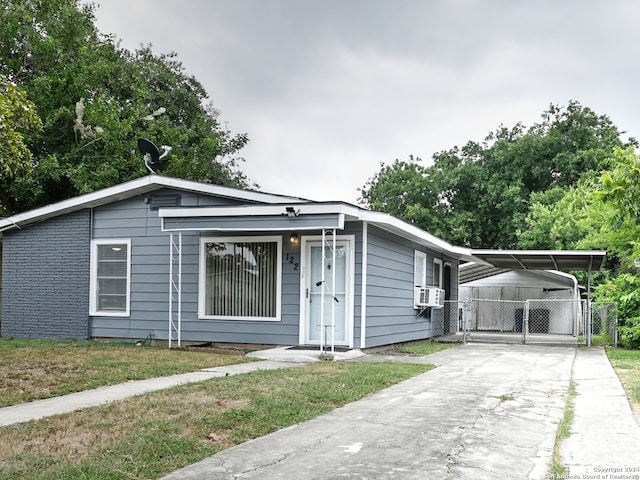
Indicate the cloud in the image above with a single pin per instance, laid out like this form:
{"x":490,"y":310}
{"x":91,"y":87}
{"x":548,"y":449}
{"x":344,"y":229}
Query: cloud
{"x":329,"y":90}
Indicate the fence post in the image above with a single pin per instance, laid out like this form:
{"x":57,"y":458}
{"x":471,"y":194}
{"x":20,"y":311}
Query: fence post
{"x":525,"y":322}
{"x":589,"y":322}
{"x":465,"y":320}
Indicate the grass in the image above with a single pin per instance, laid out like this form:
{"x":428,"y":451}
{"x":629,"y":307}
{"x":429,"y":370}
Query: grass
{"x":151,"y":435}
{"x":601,"y":340}
{"x":422,"y":348}
{"x":37,"y":369}
{"x":557,"y":470}
{"x":626,"y":363}
{"x":506,"y":397}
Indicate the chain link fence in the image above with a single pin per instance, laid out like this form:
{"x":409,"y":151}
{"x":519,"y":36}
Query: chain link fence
{"x":604,"y":320}
{"x":557,"y":321}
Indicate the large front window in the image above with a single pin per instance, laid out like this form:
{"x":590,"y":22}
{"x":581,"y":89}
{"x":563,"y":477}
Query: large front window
{"x":110,"y":277}
{"x":240,"y":278}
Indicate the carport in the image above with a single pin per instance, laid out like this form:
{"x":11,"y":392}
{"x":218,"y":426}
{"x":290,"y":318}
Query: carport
{"x":541,"y":260}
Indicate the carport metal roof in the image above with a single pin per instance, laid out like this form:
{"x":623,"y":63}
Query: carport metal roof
{"x":562,"y":260}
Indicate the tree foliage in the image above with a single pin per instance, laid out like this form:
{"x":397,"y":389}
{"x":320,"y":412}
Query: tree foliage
{"x":562,"y":217}
{"x":624,"y":291}
{"x":95,"y":100}
{"x":479,"y":195}
{"x":18,"y":118}
{"x":600,"y":212}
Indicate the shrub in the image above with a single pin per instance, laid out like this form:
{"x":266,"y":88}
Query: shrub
{"x":625,"y":291}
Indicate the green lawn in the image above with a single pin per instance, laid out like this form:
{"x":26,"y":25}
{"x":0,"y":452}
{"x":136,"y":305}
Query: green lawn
{"x":626,"y":363}
{"x":36,"y":369}
{"x":151,"y":435}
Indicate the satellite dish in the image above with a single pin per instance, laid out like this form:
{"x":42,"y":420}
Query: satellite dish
{"x":151,"y":153}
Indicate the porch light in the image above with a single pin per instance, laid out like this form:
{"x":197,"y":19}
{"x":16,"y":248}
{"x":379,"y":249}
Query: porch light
{"x":294,"y":237}
{"x":291,"y":212}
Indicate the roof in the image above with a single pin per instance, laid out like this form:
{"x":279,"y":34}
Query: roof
{"x":257,"y":203}
{"x":131,"y":189}
{"x":470,"y":272}
{"x":345,"y":211}
{"x":543,"y":259}
{"x":266,"y":203}
{"x":474,"y":274}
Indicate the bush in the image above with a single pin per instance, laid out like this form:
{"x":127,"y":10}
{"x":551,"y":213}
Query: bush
{"x":625,"y":291}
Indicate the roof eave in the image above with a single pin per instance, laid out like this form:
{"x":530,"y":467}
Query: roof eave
{"x":133,"y":188}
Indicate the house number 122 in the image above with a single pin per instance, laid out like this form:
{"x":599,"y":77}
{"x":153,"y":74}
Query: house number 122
{"x":292,"y":260}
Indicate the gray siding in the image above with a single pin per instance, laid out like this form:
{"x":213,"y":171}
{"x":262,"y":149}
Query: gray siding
{"x":391,"y":317}
{"x":133,"y":219}
{"x":47,"y":266}
{"x":45,"y":281}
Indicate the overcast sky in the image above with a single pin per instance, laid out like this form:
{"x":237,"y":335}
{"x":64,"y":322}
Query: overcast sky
{"x":329,"y":89}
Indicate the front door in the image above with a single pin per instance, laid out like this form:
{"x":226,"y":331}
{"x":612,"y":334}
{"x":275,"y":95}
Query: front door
{"x":327,"y":292}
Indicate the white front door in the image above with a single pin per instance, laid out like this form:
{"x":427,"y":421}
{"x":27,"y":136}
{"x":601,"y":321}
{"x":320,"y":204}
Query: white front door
{"x":327,"y":292}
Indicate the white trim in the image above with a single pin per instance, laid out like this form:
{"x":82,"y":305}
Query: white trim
{"x":560,"y":253}
{"x":381,"y":220}
{"x":254,"y":210}
{"x":419,"y":258}
{"x":202,"y":277}
{"x":363,"y":285}
{"x":437,"y":261}
{"x":339,"y":226}
{"x":350,"y":282}
{"x":93,"y":285}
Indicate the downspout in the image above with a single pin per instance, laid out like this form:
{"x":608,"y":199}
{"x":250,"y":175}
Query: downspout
{"x":363,"y":286}
{"x":576,"y":299}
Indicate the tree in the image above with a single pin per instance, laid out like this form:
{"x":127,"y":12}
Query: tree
{"x":600,"y":212}
{"x":562,"y":217}
{"x":479,"y":195}
{"x":95,"y":100}
{"x":18,"y":118}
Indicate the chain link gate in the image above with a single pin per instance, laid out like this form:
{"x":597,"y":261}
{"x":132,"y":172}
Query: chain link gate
{"x":604,"y":322}
{"x":454,"y":313}
{"x":541,"y":321}
{"x":554,"y":321}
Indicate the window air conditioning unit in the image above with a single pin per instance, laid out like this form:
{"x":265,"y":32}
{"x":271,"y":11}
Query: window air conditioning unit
{"x":428,"y":297}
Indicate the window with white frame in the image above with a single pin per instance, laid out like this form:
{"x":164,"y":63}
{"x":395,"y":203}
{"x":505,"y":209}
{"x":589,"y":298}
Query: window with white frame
{"x":240,"y":278}
{"x":420,"y":269}
{"x":110,"y":282}
{"x":437,"y":272}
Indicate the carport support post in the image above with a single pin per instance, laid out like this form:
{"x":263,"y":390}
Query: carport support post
{"x":588,"y":332}
{"x":322,"y":278}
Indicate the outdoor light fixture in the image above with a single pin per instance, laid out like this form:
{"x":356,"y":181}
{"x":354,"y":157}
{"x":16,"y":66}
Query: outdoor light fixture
{"x":292,"y":212}
{"x":294,"y":237}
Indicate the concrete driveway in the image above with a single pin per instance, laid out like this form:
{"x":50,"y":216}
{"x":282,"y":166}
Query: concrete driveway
{"x":486,"y":412}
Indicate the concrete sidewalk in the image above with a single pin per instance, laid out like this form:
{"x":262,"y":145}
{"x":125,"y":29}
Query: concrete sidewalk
{"x":487,"y":412}
{"x":270,"y":360}
{"x":605,"y":437}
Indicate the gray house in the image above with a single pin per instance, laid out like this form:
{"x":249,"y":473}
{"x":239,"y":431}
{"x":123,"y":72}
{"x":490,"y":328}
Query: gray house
{"x":179,"y":261}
